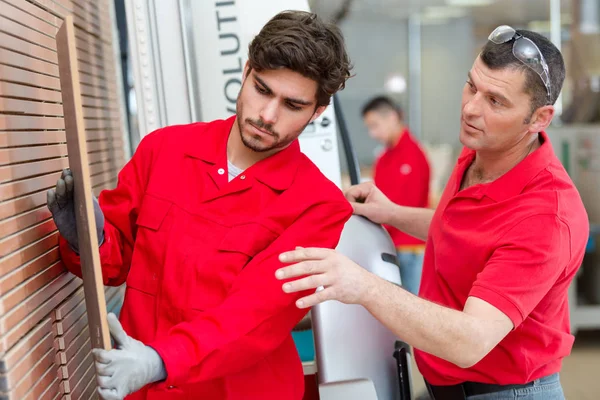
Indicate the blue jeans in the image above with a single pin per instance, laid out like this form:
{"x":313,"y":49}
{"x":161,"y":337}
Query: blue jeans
{"x":411,"y":266}
{"x":546,"y":388}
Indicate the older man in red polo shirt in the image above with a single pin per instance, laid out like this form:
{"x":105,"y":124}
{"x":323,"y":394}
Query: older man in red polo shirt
{"x":401,"y":172}
{"x":506,"y":240}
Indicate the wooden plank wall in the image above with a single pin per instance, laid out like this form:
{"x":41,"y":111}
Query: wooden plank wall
{"x":44,"y":340}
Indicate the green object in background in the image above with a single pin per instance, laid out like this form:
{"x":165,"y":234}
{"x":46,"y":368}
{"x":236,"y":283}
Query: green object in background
{"x":305,"y":344}
{"x":566,"y":156}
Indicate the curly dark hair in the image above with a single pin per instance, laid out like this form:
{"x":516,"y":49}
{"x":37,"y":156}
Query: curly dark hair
{"x":302,"y":42}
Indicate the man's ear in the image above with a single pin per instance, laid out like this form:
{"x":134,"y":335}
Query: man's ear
{"x":541,"y":119}
{"x":318,"y":112}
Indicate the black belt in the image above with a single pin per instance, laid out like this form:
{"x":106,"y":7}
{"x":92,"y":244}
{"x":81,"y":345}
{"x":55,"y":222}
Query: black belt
{"x":461,"y":391}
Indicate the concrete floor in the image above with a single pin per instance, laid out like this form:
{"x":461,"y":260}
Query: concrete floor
{"x":580,"y":374}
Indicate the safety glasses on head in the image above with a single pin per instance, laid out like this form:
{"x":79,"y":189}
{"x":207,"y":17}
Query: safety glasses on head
{"x":524,"y":50}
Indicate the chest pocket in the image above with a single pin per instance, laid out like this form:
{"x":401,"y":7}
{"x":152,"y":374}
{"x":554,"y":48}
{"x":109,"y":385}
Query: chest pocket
{"x":153,"y":212}
{"x":152,"y":230}
{"x":215,"y":274}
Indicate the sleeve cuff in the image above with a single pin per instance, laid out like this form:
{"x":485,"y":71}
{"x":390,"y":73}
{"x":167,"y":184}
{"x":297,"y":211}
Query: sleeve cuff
{"x":67,"y":253}
{"x":72,"y":260}
{"x":175,"y":355}
{"x":500,"y":302}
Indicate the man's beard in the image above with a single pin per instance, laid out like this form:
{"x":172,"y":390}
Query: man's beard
{"x":253,"y":143}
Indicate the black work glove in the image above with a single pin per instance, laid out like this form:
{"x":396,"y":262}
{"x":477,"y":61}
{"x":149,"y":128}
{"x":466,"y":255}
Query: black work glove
{"x":61,"y":204}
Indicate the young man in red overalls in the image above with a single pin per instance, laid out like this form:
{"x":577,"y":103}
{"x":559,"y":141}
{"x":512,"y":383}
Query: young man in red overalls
{"x":196,"y":224}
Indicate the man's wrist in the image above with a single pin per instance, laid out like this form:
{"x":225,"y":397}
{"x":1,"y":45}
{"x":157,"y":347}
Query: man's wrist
{"x":159,"y":372}
{"x":371,"y":283}
{"x":394,"y":214}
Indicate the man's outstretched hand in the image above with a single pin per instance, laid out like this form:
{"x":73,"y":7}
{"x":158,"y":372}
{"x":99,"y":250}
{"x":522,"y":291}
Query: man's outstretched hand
{"x":367,"y":200}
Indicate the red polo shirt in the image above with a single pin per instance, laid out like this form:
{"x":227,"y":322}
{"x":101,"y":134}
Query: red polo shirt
{"x":402,"y":174}
{"x":515,"y":243}
{"x":199,"y":255}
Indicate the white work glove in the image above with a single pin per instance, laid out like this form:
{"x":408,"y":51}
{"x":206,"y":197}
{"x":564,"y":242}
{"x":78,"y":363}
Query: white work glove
{"x":129,"y":367}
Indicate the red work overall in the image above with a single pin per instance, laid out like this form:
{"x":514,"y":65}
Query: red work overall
{"x":199,"y":255}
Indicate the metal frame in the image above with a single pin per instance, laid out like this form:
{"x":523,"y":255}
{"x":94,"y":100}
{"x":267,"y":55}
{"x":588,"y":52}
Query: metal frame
{"x":118,"y":79}
{"x":187,"y":36}
{"x":158,"y":60}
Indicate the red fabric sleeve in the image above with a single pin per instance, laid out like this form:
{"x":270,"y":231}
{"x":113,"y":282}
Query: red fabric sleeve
{"x":529,"y":260}
{"x":120,"y":207}
{"x":257,"y":316}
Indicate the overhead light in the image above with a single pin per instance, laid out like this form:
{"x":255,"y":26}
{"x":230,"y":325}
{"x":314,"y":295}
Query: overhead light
{"x":436,"y":12}
{"x":395,"y":83}
{"x":469,"y":3}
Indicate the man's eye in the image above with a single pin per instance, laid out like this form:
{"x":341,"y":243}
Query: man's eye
{"x":260,"y":89}
{"x":293,"y":107}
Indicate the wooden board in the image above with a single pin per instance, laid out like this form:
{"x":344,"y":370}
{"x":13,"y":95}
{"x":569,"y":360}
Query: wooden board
{"x":38,"y":350}
{"x":27,"y":92}
{"x":60,"y":327}
{"x":81,"y":340}
{"x":12,"y":225}
{"x":28,"y":253}
{"x":61,"y":311}
{"x":75,"y":385}
{"x":15,"y":172}
{"x":90,"y":392}
{"x":75,"y":377}
{"x":33,"y":302}
{"x":27,"y":270}
{"x":26,"y":237}
{"x":82,"y":389}
{"x":14,"y":356}
{"x":62,"y":342}
{"x":31,"y":379}
{"x":22,"y":292}
{"x":68,"y":285}
{"x":82,"y":356}
{"x":51,"y":392}
{"x":40,"y":390}
{"x":78,"y":161}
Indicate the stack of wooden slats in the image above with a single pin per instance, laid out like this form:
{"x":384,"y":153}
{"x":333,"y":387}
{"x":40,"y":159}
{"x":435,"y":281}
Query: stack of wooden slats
{"x":72,"y":343}
{"x":44,"y":341}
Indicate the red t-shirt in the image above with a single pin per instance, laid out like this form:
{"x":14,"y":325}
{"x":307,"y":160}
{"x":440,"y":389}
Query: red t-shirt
{"x":402,"y":174}
{"x":515,"y":243}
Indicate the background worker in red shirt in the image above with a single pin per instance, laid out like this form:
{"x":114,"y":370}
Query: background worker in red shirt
{"x":401,"y":172}
{"x":197,"y":222}
{"x":506,"y":240}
